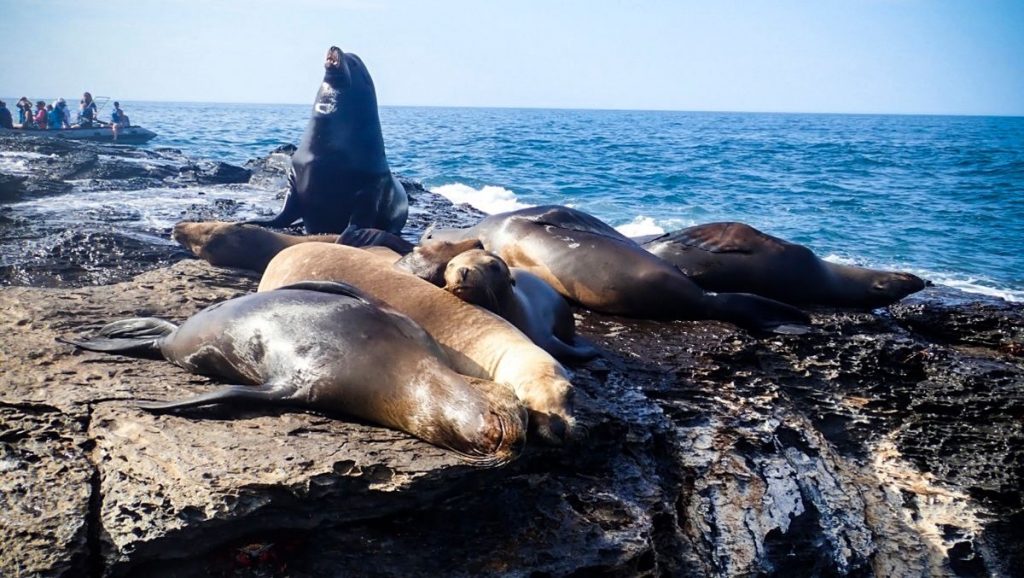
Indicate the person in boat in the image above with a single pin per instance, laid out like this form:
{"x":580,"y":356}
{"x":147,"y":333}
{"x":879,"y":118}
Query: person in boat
{"x":86,"y":111}
{"x":118,"y":119}
{"x":22,"y":117}
{"x":40,"y":119}
{"x":6,"y":121}
{"x":53,"y":116}
{"x":25,"y":116}
{"x":64,"y":114}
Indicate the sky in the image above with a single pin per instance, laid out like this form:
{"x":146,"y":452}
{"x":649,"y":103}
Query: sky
{"x":845,"y":56}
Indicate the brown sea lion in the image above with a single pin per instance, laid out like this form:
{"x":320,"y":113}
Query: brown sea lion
{"x":731,"y":257}
{"x":428,"y":260}
{"x":479,"y":343}
{"x":523,"y":299}
{"x":251,"y":247}
{"x":329,"y":347}
{"x":236,"y":244}
{"x":594,"y":265}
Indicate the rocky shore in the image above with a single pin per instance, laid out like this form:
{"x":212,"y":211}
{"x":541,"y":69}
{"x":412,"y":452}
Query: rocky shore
{"x":888,"y":443}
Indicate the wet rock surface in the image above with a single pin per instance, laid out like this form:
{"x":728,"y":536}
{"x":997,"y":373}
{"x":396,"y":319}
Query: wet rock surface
{"x":880,"y":444}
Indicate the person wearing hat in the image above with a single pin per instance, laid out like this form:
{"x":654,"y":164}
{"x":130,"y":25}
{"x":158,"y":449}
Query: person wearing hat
{"x":65,"y":114}
{"x":6,"y":121}
{"x":40,"y":119}
{"x":24,"y":112}
{"x":118,"y":119}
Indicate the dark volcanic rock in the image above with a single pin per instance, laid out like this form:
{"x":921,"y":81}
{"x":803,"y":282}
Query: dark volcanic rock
{"x":880,"y":444}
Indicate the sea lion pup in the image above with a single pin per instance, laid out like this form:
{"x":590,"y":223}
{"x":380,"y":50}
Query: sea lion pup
{"x":523,"y":299}
{"x":340,"y":175}
{"x":250,"y":247}
{"x":594,"y":265}
{"x":738,"y":257}
{"x":478,"y":343}
{"x":306,"y":345}
{"x":428,"y":260}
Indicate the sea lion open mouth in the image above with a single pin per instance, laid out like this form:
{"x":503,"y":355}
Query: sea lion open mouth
{"x":333,"y":59}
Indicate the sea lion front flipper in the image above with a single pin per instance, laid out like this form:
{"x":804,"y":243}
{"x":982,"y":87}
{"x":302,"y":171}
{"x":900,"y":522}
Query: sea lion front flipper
{"x":577,"y":352}
{"x":756,"y":312}
{"x":369,"y":237}
{"x":727,"y":237}
{"x":290,"y":213}
{"x":267,"y":393}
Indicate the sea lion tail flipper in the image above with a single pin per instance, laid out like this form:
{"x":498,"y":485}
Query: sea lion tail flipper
{"x":268,"y":393}
{"x":138,"y":337}
{"x":579,"y":351}
{"x":758,"y":313}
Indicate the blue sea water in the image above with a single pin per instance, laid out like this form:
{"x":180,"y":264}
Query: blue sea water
{"x":940,"y":196}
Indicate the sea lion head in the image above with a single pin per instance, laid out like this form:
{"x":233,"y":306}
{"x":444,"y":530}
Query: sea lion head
{"x":228,"y":244}
{"x":888,"y":287}
{"x":488,"y":427}
{"x":428,"y":260}
{"x":480,"y":278}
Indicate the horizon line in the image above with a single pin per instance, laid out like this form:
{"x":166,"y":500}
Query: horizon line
{"x":569,"y":108}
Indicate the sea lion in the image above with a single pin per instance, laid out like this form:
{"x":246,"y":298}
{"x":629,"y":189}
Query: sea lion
{"x":428,"y":260}
{"x":737,"y":257}
{"x":237,"y":244}
{"x":330,"y":347}
{"x":250,"y":247}
{"x":340,"y":176}
{"x":521,"y":298}
{"x":594,"y":265}
{"x":478,"y":343}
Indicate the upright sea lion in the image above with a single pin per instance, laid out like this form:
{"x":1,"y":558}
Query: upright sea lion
{"x":327,"y":346}
{"x":738,"y":257}
{"x":340,"y":177}
{"x":478,"y":343}
{"x":594,"y":265}
{"x":521,"y":298}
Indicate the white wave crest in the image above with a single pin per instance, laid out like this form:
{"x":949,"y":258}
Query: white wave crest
{"x":639,"y":226}
{"x":489,"y":199}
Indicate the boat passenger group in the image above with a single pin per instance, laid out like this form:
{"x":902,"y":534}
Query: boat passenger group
{"x":56,"y":116}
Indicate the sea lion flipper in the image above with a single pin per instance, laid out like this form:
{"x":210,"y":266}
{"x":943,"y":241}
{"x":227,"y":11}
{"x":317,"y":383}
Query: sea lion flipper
{"x":727,"y":237}
{"x":756,"y":312}
{"x":138,"y":337}
{"x":370,"y":237}
{"x":570,"y":219}
{"x":290,"y":213}
{"x":335,"y":287}
{"x":579,"y":351}
{"x":227,"y":394}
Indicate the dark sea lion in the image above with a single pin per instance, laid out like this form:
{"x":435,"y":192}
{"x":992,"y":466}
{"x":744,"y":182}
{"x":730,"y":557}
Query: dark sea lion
{"x":737,"y":257}
{"x":594,"y":265}
{"x":521,"y":298}
{"x":329,"y":347}
{"x":478,"y":343}
{"x":340,"y":176}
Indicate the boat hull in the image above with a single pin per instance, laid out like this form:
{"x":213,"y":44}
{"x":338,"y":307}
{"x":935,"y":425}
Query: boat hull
{"x":127,"y":135}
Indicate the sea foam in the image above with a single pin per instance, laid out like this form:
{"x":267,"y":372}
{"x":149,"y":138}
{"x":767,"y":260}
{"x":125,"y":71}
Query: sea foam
{"x":489,"y":198}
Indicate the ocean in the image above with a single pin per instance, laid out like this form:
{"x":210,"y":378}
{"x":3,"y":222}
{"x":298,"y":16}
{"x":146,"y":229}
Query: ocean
{"x":939,"y":196}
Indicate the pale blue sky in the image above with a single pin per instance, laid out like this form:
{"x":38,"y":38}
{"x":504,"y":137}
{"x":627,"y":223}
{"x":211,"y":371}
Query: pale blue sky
{"x":887,"y":56}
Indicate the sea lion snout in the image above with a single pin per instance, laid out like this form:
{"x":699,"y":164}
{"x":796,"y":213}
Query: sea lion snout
{"x":333,"y":58}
